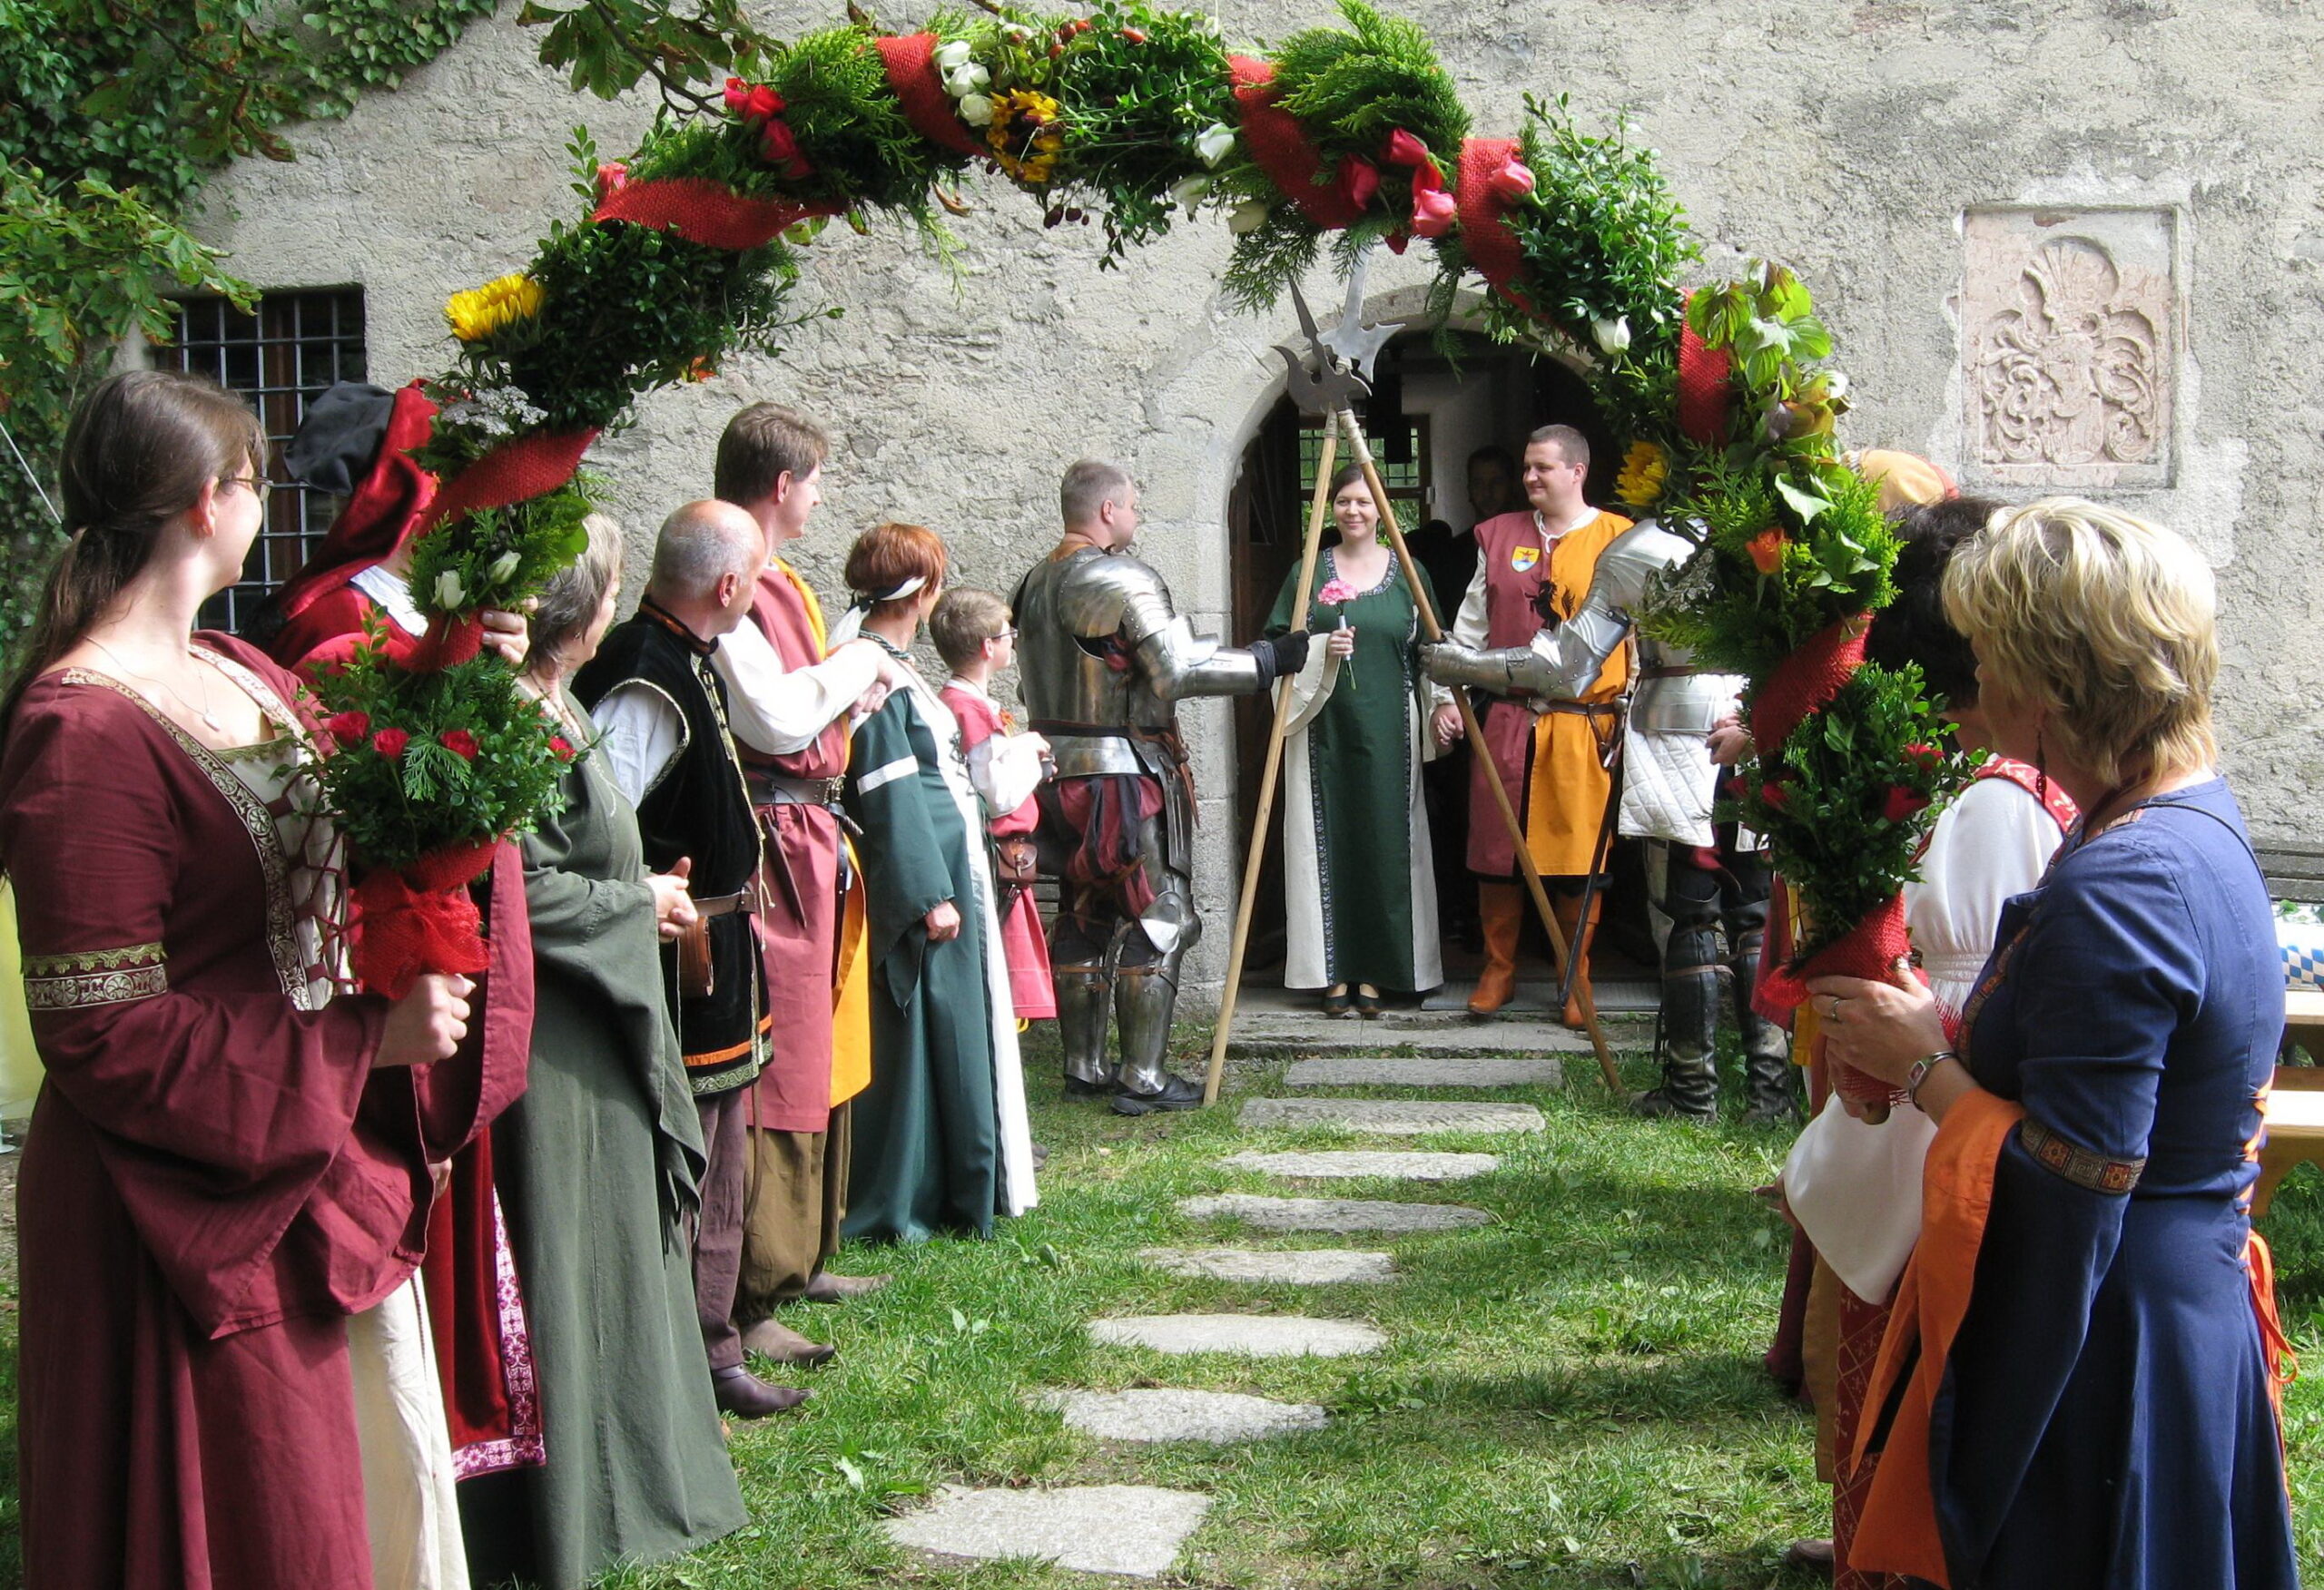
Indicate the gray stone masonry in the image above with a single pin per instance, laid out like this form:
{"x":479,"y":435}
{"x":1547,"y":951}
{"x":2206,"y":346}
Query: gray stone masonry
{"x":1130,"y":1529}
{"x":1332,"y":1214}
{"x":1389,"y":1118}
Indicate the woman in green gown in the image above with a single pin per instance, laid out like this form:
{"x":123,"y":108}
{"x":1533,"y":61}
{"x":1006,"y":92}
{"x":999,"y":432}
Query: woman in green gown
{"x":1359,"y":877}
{"x":596,"y":1167}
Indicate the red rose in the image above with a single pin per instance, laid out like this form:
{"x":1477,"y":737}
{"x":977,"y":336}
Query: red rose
{"x":611,"y":178}
{"x":1924,"y":756}
{"x":1512,"y":181}
{"x":1359,"y":179}
{"x":459,"y":742}
{"x":738,"y":94}
{"x":1398,"y":242}
{"x":348,"y":728}
{"x":765,"y":103}
{"x":1901,"y":803}
{"x":1404,"y":150}
{"x":1434,"y":210}
{"x":779,"y":146}
{"x":389,"y":743}
{"x":562,"y":747}
{"x":1773,"y":795}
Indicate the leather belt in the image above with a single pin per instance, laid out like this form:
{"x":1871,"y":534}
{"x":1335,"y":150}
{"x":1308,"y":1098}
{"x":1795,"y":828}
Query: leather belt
{"x":1582,"y":709}
{"x":782,"y":790}
{"x":724,"y":905}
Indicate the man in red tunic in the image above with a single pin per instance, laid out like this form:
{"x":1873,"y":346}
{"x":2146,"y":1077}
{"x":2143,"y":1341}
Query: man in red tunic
{"x":1533,"y":569}
{"x":789,"y":704}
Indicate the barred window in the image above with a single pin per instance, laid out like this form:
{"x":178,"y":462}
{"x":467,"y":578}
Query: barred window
{"x":281,"y":358}
{"x":1402,"y":463}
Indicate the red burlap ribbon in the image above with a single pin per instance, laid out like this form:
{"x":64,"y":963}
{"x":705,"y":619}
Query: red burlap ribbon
{"x":706,"y":213}
{"x":1806,"y":682}
{"x":1706,"y":389}
{"x":526,"y":469}
{"x":420,"y":920}
{"x":451,"y":638}
{"x":1280,"y":148}
{"x":1867,"y":951}
{"x":1492,"y":247}
{"x":910,"y":61}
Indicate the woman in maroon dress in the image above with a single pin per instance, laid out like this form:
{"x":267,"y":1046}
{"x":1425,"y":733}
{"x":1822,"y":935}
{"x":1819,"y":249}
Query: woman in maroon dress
{"x":228,"y":1171}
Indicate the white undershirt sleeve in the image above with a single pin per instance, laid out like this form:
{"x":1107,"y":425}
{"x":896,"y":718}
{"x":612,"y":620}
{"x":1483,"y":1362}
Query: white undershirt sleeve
{"x":643,"y":737}
{"x":776,"y":711}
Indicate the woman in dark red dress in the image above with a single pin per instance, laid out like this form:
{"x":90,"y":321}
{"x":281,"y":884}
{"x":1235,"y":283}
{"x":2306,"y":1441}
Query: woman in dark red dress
{"x":228,"y":1175}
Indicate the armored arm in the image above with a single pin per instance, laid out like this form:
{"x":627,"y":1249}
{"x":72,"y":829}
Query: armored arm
{"x":1564,"y":662}
{"x":1177,"y":663}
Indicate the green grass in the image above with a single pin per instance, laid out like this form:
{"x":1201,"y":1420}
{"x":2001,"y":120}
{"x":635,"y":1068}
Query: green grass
{"x":1573,"y":1396}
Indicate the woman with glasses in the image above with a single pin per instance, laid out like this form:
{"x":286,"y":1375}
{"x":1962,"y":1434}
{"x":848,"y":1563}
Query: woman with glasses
{"x":226,"y":1376}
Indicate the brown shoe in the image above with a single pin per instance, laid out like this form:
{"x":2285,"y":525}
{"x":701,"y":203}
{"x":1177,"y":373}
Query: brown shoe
{"x":745,"y":1396}
{"x":823,"y":1287}
{"x":770,"y":1339}
{"x":1500,"y":908}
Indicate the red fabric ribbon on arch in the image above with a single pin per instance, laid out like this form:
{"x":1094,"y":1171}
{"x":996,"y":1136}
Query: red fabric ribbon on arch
{"x":1806,"y":682}
{"x":706,"y":213}
{"x":910,"y":62}
{"x":1279,"y":147}
{"x":1492,"y":249}
{"x":1706,"y":389}
{"x":526,"y":469}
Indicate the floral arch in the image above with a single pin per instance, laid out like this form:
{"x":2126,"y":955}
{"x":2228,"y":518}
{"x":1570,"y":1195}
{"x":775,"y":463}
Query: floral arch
{"x":1136,"y":118}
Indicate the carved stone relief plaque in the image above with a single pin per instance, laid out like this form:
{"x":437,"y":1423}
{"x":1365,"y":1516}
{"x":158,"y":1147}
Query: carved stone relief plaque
{"x":2070,"y":340}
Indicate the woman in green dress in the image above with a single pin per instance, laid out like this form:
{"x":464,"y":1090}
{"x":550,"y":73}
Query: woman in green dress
{"x":596,"y":1167}
{"x":1359,"y":878}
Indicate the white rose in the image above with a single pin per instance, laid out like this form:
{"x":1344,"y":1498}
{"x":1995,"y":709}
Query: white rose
{"x":1214,"y":143}
{"x":966,"y":80}
{"x":952,"y":56}
{"x":1835,"y":386}
{"x":504,"y":566}
{"x":1016,"y":32}
{"x":1188,"y":190}
{"x":976,"y":109}
{"x":1248,"y":216}
{"x":1613,"y":336}
{"x":447,"y":591}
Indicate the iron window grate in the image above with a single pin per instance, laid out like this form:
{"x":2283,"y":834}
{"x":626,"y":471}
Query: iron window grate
{"x":281,"y":358}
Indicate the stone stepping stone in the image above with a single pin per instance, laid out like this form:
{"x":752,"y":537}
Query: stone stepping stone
{"x":1173,"y":1415}
{"x":1301,"y":1267}
{"x":1347,"y":1163}
{"x":1431,"y":1071}
{"x":1251,"y":1335}
{"x":1332,"y":1214}
{"x":1130,"y":1529}
{"x":1390,"y":1117}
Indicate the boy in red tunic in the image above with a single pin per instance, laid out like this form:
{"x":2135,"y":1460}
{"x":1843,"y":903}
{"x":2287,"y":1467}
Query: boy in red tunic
{"x":974,"y":634}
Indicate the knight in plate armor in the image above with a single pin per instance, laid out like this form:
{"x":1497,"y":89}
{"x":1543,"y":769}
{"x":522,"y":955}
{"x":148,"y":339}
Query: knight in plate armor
{"x":1703,"y":875}
{"x":1103,"y":658}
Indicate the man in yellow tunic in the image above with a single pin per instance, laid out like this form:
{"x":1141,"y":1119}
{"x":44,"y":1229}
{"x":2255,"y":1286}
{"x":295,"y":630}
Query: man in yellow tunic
{"x":1535,"y":567}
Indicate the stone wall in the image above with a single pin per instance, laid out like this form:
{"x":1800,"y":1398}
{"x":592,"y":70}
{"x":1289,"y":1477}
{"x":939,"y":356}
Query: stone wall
{"x":2072,"y":244}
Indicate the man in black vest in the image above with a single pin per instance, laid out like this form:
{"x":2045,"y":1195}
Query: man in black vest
{"x":662,"y":711}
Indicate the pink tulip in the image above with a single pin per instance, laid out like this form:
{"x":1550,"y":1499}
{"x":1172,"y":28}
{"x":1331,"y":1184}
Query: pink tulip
{"x":1434,"y":212}
{"x":1512,"y":182}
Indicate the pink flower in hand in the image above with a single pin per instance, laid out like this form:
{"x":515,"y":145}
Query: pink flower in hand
{"x":1337,"y":591}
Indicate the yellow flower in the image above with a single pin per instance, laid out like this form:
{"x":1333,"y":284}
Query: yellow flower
{"x":1022,"y":136}
{"x":478,"y":312}
{"x":1644,"y":469}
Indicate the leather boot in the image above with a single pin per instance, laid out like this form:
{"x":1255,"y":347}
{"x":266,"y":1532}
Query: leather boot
{"x":1689,"y":1035}
{"x":1578,"y":934}
{"x":1501,"y":913}
{"x":1770,"y":1081}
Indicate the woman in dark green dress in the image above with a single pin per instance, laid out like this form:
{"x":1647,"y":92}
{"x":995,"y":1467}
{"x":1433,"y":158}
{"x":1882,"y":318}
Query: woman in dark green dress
{"x":1359,"y":877}
{"x":596,"y":1167}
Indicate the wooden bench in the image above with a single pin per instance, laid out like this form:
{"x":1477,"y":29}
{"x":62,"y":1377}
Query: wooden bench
{"x":2294,"y":869}
{"x":2295,"y":1100}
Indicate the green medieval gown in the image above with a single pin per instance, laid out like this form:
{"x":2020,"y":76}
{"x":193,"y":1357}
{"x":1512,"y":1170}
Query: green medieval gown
{"x":596,"y":1167}
{"x":1359,"y":879}
{"x":942,"y":1138}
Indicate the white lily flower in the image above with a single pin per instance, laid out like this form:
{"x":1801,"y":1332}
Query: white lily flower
{"x":1189,"y":191}
{"x":1214,"y":143}
{"x":952,"y":56}
{"x":1611,"y":336}
{"x":966,"y":80}
{"x":1248,"y":216}
{"x":504,"y":566}
{"x":1836,"y":384}
{"x":976,"y":109}
{"x":448,"y":591}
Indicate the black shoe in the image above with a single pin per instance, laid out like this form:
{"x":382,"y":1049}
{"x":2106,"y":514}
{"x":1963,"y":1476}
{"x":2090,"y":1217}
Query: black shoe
{"x":1177,"y":1093}
{"x":1367,"y":1001}
{"x":1657,"y":1104}
{"x":745,"y":1396}
{"x":1334,"y":1001}
{"x":1075,"y":1088}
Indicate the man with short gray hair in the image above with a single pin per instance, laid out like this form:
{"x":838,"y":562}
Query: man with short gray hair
{"x":662,"y":708}
{"x":1102,"y":660}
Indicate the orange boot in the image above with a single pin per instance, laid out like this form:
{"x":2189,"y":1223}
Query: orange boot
{"x":1500,"y":912}
{"x":1577,"y":934}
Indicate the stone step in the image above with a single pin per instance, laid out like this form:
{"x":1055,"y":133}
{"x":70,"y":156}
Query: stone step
{"x":1291,"y":1036}
{"x":1356,"y":1163}
{"x":1612,"y":996}
{"x":1129,"y":1529}
{"x":1288,"y":1267}
{"x":1168,"y":1414}
{"x":1250,"y":1335}
{"x":1332,"y":1214}
{"x":1389,"y":1118}
{"x":1450,"y":1071}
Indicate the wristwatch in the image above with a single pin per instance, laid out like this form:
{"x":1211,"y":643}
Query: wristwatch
{"x":1919,"y":1072}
